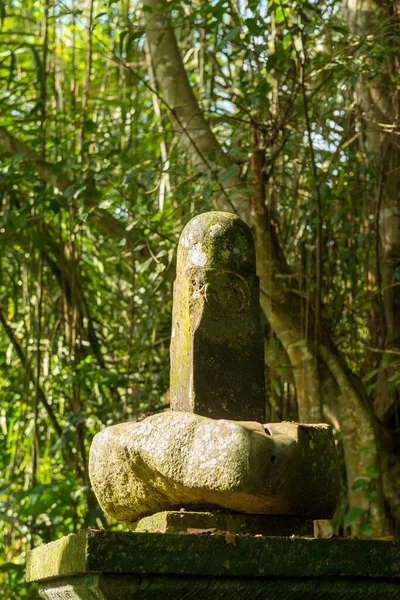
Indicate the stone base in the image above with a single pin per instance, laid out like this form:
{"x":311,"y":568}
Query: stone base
{"x":219,"y":522}
{"x":125,"y":587}
{"x":100,"y":565}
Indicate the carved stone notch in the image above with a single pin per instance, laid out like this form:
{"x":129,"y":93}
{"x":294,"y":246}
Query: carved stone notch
{"x":217,"y":352}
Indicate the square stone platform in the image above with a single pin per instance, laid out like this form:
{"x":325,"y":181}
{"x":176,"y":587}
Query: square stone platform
{"x":102,"y":565}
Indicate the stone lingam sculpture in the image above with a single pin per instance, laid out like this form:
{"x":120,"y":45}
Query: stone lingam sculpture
{"x":212,"y":451}
{"x":245,"y":493}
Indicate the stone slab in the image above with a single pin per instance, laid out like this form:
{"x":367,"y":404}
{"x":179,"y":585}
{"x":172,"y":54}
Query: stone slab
{"x":163,"y":587}
{"x":198,"y":522}
{"x":152,"y":554}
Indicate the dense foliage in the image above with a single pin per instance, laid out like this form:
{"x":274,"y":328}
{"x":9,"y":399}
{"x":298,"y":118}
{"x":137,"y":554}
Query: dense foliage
{"x":95,"y":187}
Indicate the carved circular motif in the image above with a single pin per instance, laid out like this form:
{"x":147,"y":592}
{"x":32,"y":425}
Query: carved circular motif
{"x":226,"y":293}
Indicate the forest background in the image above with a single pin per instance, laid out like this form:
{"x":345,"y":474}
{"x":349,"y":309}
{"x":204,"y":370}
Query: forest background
{"x":122,"y":120}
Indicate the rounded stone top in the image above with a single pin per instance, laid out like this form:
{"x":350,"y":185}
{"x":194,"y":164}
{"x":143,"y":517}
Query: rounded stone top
{"x":217,"y":240}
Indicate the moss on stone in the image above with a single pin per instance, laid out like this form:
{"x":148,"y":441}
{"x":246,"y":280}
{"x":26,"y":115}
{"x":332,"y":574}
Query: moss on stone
{"x":177,"y":459}
{"x":211,"y":556}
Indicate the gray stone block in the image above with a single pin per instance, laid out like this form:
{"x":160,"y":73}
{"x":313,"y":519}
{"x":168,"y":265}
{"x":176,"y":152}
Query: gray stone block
{"x":175,"y":460}
{"x":99,"y":565}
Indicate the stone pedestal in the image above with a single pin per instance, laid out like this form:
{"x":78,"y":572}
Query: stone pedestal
{"x":174,"y":521}
{"x":99,"y":565}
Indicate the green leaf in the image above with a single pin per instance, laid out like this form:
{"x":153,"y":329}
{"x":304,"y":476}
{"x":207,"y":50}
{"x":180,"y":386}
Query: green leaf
{"x":12,"y":69}
{"x":253,"y":4}
{"x":55,"y":206}
{"x":7,"y":567}
{"x":90,"y":126}
{"x":122,"y":36}
{"x":361,"y":484}
{"x":353,"y":79}
{"x":370,"y":375}
{"x":11,"y":308}
{"x":229,"y":37}
{"x":353,"y":514}
{"x":253,"y":26}
{"x":372,"y":471}
{"x":365,"y":529}
{"x":287,"y":40}
{"x":325,"y":191}
{"x":371,"y":495}
{"x":2,"y":12}
{"x":207,"y":192}
{"x":133,"y":36}
{"x":233,"y":171}
{"x":279,"y":16}
{"x":339,"y":28}
{"x":396,"y":275}
{"x":38,"y":240}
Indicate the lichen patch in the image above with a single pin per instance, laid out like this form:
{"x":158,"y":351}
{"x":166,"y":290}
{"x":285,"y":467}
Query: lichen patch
{"x":214,"y":229}
{"x":197,"y":256}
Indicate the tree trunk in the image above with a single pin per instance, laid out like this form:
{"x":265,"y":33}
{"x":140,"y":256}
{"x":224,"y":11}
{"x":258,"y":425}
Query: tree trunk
{"x":379,"y":104}
{"x":378,"y":101}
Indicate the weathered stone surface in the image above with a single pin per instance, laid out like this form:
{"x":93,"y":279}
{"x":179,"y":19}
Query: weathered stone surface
{"x":207,"y":522}
{"x":104,"y":565}
{"x":119,"y":552}
{"x":178,"y":459}
{"x":217,"y":352}
{"x":164,"y":587}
